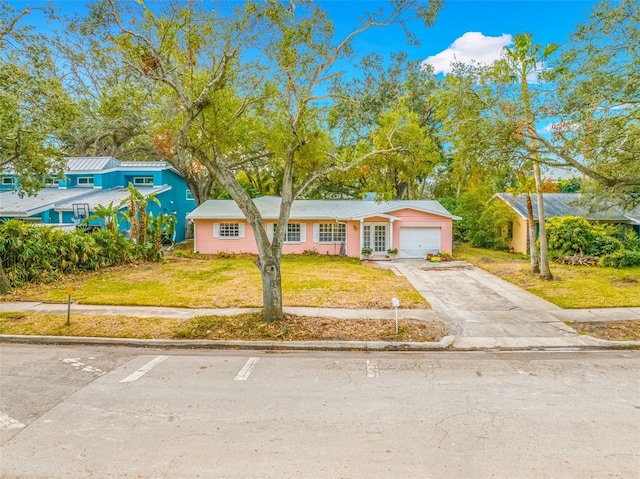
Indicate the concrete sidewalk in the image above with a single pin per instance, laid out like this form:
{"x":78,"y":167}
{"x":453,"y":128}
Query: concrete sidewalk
{"x":481,"y":311}
{"x":562,"y":340}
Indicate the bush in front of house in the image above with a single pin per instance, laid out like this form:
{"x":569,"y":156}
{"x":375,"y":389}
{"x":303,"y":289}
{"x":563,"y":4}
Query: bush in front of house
{"x":491,"y":227}
{"x":39,"y":253}
{"x":573,"y":235}
{"x":621,"y":259}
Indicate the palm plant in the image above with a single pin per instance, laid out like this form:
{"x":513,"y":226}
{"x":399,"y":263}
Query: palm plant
{"x":109,"y":215}
{"x":136,"y":213}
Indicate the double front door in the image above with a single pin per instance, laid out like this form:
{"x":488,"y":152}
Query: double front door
{"x":376,"y":237}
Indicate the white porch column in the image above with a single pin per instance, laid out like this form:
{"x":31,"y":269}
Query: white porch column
{"x":361,"y":236}
{"x":390,"y":233}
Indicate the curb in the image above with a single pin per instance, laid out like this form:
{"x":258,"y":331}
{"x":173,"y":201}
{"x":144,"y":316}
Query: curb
{"x":450,"y":343}
{"x":582,"y":343}
{"x":441,"y":345}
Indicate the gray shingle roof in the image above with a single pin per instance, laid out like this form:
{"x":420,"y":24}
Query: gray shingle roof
{"x":564,"y":204}
{"x":269,"y":207}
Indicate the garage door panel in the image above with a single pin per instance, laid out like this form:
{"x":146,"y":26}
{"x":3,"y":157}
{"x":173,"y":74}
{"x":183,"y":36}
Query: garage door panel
{"x":418,"y":241}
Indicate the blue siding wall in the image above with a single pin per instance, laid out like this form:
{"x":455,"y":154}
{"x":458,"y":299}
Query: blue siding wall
{"x":173,"y":201}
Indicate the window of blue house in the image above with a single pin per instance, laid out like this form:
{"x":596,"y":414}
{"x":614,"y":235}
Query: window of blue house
{"x":85,"y":181}
{"x":7,"y":180}
{"x":190,"y":195}
{"x":143,"y":181}
{"x":51,"y":181}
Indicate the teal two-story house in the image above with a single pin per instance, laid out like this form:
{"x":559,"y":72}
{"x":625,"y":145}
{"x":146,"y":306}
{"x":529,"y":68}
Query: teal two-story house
{"x":88,"y":182}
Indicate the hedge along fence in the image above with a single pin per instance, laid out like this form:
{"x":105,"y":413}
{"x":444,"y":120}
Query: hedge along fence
{"x":616,"y":246}
{"x":35,"y":253}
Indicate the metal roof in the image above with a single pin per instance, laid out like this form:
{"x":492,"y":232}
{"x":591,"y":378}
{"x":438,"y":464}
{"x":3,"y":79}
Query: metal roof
{"x":144,"y":164}
{"x":91,"y":163}
{"x":269,"y":207}
{"x":105,"y":197}
{"x":564,"y":204}
{"x":12,"y":205}
{"x":63,"y":200}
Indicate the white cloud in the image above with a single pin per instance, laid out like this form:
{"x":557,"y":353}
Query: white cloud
{"x":561,"y":126}
{"x":472,"y":46}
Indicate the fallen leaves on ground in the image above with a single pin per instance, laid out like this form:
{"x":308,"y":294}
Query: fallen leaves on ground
{"x":247,"y":326}
{"x":610,"y":330}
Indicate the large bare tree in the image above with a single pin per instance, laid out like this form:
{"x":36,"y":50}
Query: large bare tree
{"x":250,"y":84}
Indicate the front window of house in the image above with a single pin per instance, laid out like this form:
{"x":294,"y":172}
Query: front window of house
{"x":332,"y":233}
{"x":293,"y":233}
{"x":7,"y":180}
{"x":229,"y":230}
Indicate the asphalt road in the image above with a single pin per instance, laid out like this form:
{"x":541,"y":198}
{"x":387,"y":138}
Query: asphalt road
{"x":98,"y":412}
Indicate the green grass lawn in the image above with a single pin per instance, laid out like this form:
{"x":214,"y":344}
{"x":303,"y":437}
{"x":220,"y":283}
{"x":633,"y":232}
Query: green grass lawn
{"x":572,"y":286}
{"x":203,"y":281}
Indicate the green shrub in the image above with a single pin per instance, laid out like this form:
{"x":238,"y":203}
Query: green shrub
{"x":621,"y":259}
{"x":571,"y":235}
{"x":40,"y":253}
{"x":491,"y":227}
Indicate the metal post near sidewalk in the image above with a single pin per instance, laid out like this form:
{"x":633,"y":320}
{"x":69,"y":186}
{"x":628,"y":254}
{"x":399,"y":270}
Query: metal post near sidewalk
{"x":395,"y":302}
{"x":69,"y":291}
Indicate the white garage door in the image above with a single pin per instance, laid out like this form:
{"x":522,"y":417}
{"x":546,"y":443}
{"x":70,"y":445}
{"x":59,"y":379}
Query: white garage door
{"x":417,"y":242}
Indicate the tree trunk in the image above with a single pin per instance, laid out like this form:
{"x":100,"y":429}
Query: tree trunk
{"x":533,"y":251}
{"x":5,"y":286}
{"x":271,"y":288}
{"x":545,"y":271}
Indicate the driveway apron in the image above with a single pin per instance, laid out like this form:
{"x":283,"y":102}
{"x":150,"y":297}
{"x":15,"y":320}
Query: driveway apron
{"x":475,"y":303}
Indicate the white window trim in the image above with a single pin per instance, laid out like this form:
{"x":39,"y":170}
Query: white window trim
{"x":271,"y":227}
{"x":216,"y":231}
{"x":7,"y":180}
{"x":143,"y":181}
{"x":335,"y":226}
{"x":89,"y":183}
{"x":372,"y":236}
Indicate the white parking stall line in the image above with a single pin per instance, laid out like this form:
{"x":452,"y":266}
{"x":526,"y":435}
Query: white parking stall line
{"x":144,"y":369}
{"x":75,"y":362}
{"x":7,"y":422}
{"x":247,"y":369}
{"x":372,"y":369}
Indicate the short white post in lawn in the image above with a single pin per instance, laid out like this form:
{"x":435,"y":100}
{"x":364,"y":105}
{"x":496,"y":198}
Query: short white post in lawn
{"x":395,"y":302}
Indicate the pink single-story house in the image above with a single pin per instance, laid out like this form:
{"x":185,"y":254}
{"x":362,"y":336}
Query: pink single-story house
{"x":334,"y":227}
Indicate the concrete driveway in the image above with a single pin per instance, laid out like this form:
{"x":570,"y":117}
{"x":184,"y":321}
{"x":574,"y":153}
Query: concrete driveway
{"x":475,"y":303}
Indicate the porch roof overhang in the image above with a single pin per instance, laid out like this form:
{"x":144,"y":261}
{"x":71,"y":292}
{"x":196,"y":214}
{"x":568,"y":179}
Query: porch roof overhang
{"x":374,"y":215}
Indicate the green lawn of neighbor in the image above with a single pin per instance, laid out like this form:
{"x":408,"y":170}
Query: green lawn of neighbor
{"x":572,"y":287}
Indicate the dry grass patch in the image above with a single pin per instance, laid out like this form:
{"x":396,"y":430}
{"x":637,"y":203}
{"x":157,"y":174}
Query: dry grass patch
{"x":248,"y":327}
{"x":200,"y":281}
{"x":572,"y":286}
{"x":88,"y":326}
{"x":610,"y":330}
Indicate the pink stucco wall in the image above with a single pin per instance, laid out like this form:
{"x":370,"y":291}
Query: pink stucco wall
{"x":409,"y":218}
{"x":205,"y":242}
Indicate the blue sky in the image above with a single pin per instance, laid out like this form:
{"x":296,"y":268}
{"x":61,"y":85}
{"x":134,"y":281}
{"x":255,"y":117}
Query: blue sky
{"x":465,"y":28}
{"x":469,"y":28}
